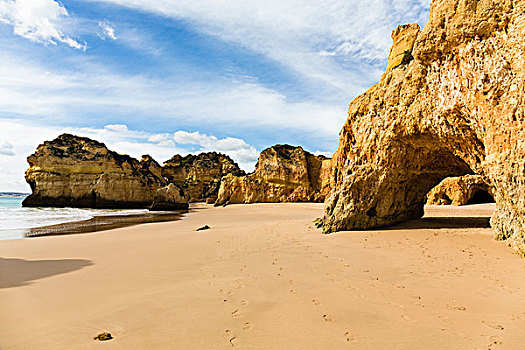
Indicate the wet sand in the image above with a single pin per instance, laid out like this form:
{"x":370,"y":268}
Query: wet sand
{"x":103,"y":223}
{"x":264,"y":278}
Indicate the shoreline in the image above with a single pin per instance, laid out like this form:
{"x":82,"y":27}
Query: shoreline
{"x":103,"y":223}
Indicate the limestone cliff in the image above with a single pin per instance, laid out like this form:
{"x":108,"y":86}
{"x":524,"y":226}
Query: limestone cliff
{"x":80,"y":172}
{"x":455,"y":106}
{"x":199,"y":175}
{"x":283,"y":173}
{"x":171,"y":197}
{"x":462,"y":190}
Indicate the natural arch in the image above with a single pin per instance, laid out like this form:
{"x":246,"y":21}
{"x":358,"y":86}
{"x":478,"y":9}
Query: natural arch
{"x":387,"y":187}
{"x":456,"y":107}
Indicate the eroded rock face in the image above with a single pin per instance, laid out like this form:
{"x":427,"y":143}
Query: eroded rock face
{"x":404,"y":38}
{"x":171,"y":197}
{"x":80,"y":172}
{"x":283,"y":173}
{"x":457,"y":108}
{"x":199,"y":175}
{"x":462,"y":190}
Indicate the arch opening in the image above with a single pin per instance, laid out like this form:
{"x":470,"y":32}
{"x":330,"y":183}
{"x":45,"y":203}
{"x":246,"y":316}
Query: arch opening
{"x":481,"y":197}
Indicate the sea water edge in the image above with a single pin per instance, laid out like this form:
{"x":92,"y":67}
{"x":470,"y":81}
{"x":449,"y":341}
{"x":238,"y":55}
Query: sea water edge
{"x":16,"y":221}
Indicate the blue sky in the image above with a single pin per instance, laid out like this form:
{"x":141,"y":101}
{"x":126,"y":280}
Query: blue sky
{"x":174,"y":76}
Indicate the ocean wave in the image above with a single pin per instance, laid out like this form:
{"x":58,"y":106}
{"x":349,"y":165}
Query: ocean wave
{"x":14,"y":217}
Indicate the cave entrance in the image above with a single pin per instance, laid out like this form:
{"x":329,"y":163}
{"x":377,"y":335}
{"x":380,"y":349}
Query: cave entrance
{"x":481,"y":197}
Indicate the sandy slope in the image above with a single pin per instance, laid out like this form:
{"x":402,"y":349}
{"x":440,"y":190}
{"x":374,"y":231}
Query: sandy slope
{"x":264,"y":278}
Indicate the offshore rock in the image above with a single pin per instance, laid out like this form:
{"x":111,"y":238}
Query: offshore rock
{"x":76,"y":171}
{"x":456,"y":108}
{"x":199,"y":176}
{"x":468,"y":189}
{"x":170,"y":197}
{"x":283,"y":173}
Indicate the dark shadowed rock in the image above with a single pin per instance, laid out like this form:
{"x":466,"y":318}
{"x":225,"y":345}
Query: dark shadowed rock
{"x":199,"y":176}
{"x":170,"y":197}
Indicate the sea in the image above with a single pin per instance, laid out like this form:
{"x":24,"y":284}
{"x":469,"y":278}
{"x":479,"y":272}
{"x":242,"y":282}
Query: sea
{"x":15,"y":220}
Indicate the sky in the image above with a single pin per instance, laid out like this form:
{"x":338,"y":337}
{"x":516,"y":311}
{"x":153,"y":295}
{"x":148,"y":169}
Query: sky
{"x":162,"y":77}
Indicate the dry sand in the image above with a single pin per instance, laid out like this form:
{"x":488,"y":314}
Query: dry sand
{"x":264,"y":278}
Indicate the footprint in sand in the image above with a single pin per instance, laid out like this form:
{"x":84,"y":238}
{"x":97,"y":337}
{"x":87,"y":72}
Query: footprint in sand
{"x":293,"y":291}
{"x":316,"y":302}
{"x":494,"y":340}
{"x":328,"y":318}
{"x":247,"y":326}
{"x":235,"y":313}
{"x":495,"y":326}
{"x":234,"y":341}
{"x":350,"y":337}
{"x":408,"y":319}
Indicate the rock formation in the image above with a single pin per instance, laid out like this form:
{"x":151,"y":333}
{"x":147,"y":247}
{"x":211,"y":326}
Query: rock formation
{"x":170,"y":197}
{"x":283,"y":173}
{"x":455,"y":105}
{"x":462,"y":190}
{"x":79,"y":172}
{"x":200,"y":175}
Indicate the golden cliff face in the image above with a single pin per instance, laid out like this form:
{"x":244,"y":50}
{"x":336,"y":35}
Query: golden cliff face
{"x":79,"y":172}
{"x":282,"y":174}
{"x":458,"y":107}
{"x":200,"y":175}
{"x":404,"y":38}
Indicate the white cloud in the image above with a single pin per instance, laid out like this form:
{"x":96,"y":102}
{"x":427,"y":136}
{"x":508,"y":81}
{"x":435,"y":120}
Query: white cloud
{"x":23,"y":138}
{"x":117,"y":127}
{"x":327,"y":154}
{"x":162,"y":140}
{"x":6,"y":149}
{"x":238,"y":149}
{"x":29,"y":89}
{"x":309,"y":37}
{"x":38,"y":20}
{"x":107,"y":31}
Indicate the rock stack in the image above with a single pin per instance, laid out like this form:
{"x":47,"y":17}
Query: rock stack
{"x":200,"y":175}
{"x":73,"y":171}
{"x":283,"y":173}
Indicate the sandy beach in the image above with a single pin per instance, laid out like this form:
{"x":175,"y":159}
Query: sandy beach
{"x":263,"y":277}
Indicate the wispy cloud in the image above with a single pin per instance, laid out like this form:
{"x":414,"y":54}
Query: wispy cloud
{"x":6,"y":149}
{"x":308,"y":37}
{"x":30,"y":90}
{"x":39,"y":21}
{"x":106,"y":31}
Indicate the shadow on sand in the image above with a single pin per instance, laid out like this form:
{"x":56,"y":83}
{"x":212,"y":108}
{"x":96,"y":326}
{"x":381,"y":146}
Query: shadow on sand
{"x":19,"y":272}
{"x":443,"y":223}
